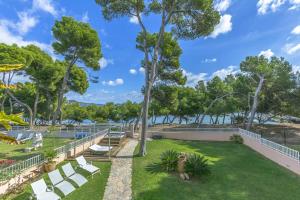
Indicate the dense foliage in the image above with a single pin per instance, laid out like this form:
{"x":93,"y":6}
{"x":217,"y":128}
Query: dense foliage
{"x":196,"y":165}
{"x":237,"y":139}
{"x":169,"y":160}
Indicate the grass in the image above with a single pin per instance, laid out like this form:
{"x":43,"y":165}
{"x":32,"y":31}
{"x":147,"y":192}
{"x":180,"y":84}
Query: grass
{"x":238,"y":173}
{"x":16,"y":152}
{"x":94,"y":189}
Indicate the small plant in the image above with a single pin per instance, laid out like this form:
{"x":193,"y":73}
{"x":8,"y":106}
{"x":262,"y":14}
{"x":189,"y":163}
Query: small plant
{"x":237,"y":139}
{"x":196,"y":165}
{"x":169,"y":160}
{"x":50,"y":155}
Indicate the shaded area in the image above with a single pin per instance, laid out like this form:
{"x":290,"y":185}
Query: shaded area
{"x":237,"y":173}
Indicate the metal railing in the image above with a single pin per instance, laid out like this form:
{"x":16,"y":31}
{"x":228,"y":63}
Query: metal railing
{"x":273,"y":145}
{"x":15,"y":169}
{"x":72,"y":145}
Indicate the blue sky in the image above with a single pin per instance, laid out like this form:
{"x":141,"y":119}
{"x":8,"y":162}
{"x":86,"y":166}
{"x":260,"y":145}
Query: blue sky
{"x":268,"y":27}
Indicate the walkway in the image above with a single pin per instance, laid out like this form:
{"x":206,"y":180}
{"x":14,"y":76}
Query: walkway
{"x":119,"y":182}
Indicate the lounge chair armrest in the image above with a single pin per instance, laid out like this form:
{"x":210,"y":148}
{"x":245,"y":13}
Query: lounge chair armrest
{"x":50,"y":188}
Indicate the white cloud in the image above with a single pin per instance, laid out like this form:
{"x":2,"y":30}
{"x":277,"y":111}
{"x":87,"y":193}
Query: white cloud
{"x":296,"y":30}
{"x":292,"y":48}
{"x":26,"y":22}
{"x":105,"y":62}
{"x":209,"y":60}
{"x":132,"y":71}
{"x":295,"y":4}
{"x":134,"y":20}
{"x":222,"y":73}
{"x":222,"y":5}
{"x":116,"y":82}
{"x":296,"y":69}
{"x":85,"y":17}
{"x":267,"y":53}
{"x":44,"y":5}
{"x":224,"y":26}
{"x":264,"y":6}
{"x":142,"y":70}
{"x":193,"y":79}
{"x":8,"y":37}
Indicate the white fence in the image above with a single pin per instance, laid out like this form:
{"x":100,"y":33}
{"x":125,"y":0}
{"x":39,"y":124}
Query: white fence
{"x":273,"y":145}
{"x":13,"y":170}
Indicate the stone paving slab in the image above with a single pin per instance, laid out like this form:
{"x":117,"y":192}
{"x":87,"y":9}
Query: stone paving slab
{"x":118,"y":186}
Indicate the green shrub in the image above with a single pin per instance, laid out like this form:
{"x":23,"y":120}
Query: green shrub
{"x":50,"y":155}
{"x":169,"y":160}
{"x":237,"y":139}
{"x":196,"y":165}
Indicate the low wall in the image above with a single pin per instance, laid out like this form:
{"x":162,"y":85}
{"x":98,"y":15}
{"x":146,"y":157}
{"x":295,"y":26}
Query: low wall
{"x":29,"y":173}
{"x":195,"y":134}
{"x":283,"y":160}
{"x":224,"y":135}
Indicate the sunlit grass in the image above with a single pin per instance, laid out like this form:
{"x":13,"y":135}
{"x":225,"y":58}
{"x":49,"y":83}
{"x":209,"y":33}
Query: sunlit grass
{"x":238,"y":173}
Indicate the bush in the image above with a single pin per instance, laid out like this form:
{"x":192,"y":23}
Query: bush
{"x":169,"y":160}
{"x":237,"y":139}
{"x":50,"y":155}
{"x":196,"y":165}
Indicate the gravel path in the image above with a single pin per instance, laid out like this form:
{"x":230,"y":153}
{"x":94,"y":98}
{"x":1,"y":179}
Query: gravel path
{"x":119,"y":182}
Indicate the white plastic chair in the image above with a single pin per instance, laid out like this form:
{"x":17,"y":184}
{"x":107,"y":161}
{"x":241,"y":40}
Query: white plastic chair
{"x":58,"y":181}
{"x":87,"y":166}
{"x":71,"y":174}
{"x":43,"y":192}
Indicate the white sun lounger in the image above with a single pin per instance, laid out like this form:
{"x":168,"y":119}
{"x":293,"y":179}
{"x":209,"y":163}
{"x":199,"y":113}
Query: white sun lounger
{"x":100,"y":148}
{"x":30,"y":136}
{"x":87,"y":166}
{"x":42,"y":192}
{"x":58,"y":181}
{"x":19,"y":136}
{"x":71,"y":174}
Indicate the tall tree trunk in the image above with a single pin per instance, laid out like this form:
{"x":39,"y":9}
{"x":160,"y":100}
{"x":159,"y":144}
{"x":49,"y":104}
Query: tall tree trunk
{"x":145,"y":116}
{"x":61,"y":95}
{"x":36,"y":101}
{"x":3,"y":101}
{"x":138,"y":120}
{"x":11,"y":106}
{"x":24,"y":105}
{"x":255,"y":102}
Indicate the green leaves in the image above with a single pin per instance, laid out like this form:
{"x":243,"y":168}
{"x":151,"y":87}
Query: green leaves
{"x":77,"y":41}
{"x":7,"y":120}
{"x":12,"y":54}
{"x":168,"y":64}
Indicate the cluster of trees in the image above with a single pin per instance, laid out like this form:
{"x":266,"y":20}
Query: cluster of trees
{"x":127,"y":112}
{"x":42,"y":98}
{"x":242,"y":97}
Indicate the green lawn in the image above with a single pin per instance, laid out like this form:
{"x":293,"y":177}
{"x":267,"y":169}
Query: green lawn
{"x":16,"y":152}
{"x":93,"y":190}
{"x":238,"y":173}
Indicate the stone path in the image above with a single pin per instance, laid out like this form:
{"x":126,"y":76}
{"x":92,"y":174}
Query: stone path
{"x":119,"y":182}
